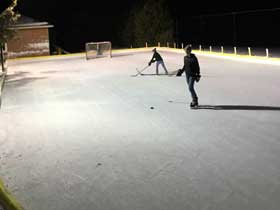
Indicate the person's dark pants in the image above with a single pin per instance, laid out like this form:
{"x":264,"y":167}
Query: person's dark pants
{"x":191,"y":81}
{"x":163,"y":65}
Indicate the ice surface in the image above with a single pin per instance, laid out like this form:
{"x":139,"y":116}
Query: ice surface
{"x":79,"y":134}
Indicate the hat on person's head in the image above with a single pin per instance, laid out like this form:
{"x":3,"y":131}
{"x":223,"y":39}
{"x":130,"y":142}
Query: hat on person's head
{"x":188,"y":47}
{"x":155,"y":49}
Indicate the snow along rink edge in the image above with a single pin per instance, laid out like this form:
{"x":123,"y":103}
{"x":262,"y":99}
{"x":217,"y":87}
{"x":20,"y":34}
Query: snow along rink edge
{"x":2,"y":81}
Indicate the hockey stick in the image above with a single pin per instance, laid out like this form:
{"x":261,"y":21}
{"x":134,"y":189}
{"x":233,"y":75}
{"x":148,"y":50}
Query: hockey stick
{"x":140,"y":72}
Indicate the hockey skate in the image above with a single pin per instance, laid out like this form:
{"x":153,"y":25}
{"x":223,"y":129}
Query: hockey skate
{"x":194,"y":104}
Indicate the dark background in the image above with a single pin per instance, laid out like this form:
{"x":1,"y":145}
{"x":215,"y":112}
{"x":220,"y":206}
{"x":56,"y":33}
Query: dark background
{"x":195,"y":22}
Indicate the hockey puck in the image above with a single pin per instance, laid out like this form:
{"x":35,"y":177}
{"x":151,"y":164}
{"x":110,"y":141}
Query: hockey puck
{"x":151,"y":107}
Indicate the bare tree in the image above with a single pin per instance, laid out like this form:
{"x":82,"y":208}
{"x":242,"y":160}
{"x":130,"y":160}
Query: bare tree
{"x":7,"y":18}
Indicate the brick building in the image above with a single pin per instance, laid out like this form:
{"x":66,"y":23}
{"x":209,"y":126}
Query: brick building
{"x":32,"y":39}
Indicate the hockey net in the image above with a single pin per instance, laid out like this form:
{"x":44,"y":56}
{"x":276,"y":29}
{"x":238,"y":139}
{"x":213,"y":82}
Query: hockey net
{"x":98,"y":49}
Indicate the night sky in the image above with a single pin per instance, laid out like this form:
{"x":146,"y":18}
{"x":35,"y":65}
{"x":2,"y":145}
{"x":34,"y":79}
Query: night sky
{"x":77,"y":22}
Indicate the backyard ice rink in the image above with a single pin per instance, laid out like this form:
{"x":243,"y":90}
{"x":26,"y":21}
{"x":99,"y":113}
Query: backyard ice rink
{"x":80,"y":135}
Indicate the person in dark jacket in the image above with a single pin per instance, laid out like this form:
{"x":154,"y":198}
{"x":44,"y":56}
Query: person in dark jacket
{"x":192,"y":71}
{"x":159,"y":61}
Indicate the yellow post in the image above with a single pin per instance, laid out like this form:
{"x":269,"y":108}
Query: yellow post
{"x":249,"y":51}
{"x":59,"y":51}
{"x":267,"y":53}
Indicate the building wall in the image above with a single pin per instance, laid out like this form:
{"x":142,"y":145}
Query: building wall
{"x":29,"y":42}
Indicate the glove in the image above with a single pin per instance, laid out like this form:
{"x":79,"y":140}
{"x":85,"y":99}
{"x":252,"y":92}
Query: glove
{"x":197,"y":78}
{"x":179,"y":73}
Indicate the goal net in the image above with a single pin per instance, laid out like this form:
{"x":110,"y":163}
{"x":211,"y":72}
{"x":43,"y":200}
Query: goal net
{"x":98,"y":49}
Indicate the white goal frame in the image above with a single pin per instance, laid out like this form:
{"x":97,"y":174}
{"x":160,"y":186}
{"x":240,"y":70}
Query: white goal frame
{"x":95,"y":49}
